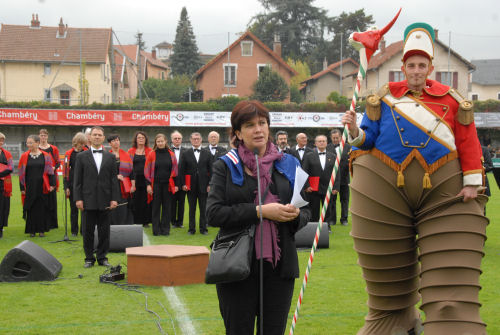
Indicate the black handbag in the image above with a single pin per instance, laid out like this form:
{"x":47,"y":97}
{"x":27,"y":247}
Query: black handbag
{"x":231,"y":255}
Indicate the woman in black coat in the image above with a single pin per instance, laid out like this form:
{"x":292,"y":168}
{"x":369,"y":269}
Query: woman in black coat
{"x":232,"y":206}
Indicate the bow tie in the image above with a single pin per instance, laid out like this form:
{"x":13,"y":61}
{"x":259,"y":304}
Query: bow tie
{"x":301,"y":149}
{"x":196,"y":150}
{"x":176,"y":148}
{"x":214,"y":148}
{"x":97,"y":151}
{"x":322,"y":153}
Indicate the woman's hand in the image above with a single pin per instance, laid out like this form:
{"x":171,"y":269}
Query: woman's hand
{"x":68,"y":193}
{"x":149,"y":189}
{"x":120,"y":177}
{"x":176,"y":189}
{"x":52,"y":188}
{"x":279,"y":212}
{"x":132,"y":189}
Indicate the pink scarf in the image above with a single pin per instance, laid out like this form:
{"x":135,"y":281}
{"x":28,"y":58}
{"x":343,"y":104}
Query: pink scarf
{"x":270,"y":236}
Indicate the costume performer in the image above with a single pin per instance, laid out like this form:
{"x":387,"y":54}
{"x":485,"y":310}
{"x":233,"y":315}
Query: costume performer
{"x":416,"y":173}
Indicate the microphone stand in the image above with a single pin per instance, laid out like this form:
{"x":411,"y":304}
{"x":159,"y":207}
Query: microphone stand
{"x":65,"y":238}
{"x":261,"y":260}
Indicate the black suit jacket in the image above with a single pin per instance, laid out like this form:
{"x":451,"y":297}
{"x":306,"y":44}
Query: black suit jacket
{"x":179,"y":180}
{"x":312,"y":166}
{"x":343,"y":174}
{"x":200,"y":171}
{"x":96,"y":190}
{"x":295,"y":152}
{"x":219,"y":151}
{"x":232,"y":208}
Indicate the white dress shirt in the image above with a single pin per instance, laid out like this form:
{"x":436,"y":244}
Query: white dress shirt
{"x":97,"y":157}
{"x":177,"y":152}
{"x":212,"y":149}
{"x":197,"y":154}
{"x":322,"y":159}
{"x":301,"y":152}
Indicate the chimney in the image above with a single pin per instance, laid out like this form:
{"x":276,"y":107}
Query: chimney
{"x":382,"y":45}
{"x":61,"y":31}
{"x":34,"y":21}
{"x":277,"y":44}
{"x":325,"y":63}
{"x":436,"y":34}
{"x":153,"y":53}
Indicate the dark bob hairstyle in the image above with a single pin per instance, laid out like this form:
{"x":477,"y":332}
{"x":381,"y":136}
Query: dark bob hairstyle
{"x":243,"y":112}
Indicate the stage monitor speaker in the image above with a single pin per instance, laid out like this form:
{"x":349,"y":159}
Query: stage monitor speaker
{"x":304,"y":238}
{"x":496,"y":174}
{"x":122,"y":237}
{"x":29,"y":262}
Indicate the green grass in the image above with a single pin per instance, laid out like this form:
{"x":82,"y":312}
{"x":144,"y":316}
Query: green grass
{"x":334,"y":301}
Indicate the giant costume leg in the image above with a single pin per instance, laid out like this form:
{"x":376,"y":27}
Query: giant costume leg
{"x":450,"y":242}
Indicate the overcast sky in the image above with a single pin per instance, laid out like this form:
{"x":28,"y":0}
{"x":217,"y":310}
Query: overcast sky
{"x":474,"y":26}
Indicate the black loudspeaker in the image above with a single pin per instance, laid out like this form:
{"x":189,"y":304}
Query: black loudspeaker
{"x":122,"y":236}
{"x":29,"y":262}
{"x":496,"y":174}
{"x":304,"y":238}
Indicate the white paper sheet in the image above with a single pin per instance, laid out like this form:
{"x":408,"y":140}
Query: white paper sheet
{"x":300,"y":179}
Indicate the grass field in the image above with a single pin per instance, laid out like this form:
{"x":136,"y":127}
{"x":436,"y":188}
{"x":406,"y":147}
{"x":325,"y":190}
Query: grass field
{"x":334,"y":301}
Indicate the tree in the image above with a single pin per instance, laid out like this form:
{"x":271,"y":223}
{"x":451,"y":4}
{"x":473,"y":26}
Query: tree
{"x":173,"y":89}
{"x":303,"y":71}
{"x":335,"y":96}
{"x":299,"y":24}
{"x":185,"y":58}
{"x":270,"y":86}
{"x":342,"y":26}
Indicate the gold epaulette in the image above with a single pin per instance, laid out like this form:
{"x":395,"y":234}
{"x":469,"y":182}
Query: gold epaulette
{"x":465,"y":113}
{"x":373,"y":103}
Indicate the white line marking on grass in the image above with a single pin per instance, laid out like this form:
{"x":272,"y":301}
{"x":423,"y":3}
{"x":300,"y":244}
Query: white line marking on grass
{"x":176,"y":303}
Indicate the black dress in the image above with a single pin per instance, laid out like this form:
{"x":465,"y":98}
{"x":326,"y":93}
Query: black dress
{"x":141,"y":208}
{"x":36,"y":204}
{"x":52,"y":195}
{"x":4,"y":201}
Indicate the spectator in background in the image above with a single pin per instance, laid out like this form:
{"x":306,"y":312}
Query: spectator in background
{"x":124,"y":168}
{"x":179,"y":198}
{"x":215,"y":149}
{"x":282,"y":141}
{"x":6,"y":168}
{"x":138,"y":153}
{"x":161,"y":176}
{"x":78,"y":142}
{"x":342,"y":176}
{"x":53,"y":151}
{"x":301,"y":148}
{"x":36,"y":180}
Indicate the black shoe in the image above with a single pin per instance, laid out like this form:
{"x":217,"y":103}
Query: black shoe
{"x":204,"y":232}
{"x":74,"y":235}
{"x":88,"y":265}
{"x":166,"y":233}
{"x":104,"y":263}
{"x":191,"y":232}
{"x":344,"y":223}
{"x":1,"y":233}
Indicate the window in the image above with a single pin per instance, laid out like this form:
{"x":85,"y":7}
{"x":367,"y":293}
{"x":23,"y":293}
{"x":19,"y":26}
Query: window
{"x":229,"y":95}
{"x":246,"y":48}
{"x":64,"y":97}
{"x":46,"y":95}
{"x":396,"y":76}
{"x":498,"y":96}
{"x":261,"y":67}
{"x":448,"y":78}
{"x":46,"y":69}
{"x":474,"y":96}
{"x":230,"y":74}
{"x":162,"y":75}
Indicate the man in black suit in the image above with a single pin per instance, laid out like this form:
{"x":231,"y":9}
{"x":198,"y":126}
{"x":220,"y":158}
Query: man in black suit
{"x":282,"y":141}
{"x":319,"y":163}
{"x":215,"y":149}
{"x":96,"y":192}
{"x":196,"y":163}
{"x":343,"y":176}
{"x":179,"y":198}
{"x":301,"y":148}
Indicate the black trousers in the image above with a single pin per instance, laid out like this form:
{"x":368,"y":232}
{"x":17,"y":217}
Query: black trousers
{"x":344,"y":204}
{"x":91,"y":219}
{"x":316,"y":200}
{"x":201,"y":197}
{"x":178,"y":200}
{"x":74,"y":212}
{"x":161,"y":209}
{"x":239,"y":302}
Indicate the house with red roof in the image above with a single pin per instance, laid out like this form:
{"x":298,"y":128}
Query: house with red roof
{"x":450,"y":68}
{"x":234,"y":70}
{"x":335,"y":77}
{"x":43,"y":63}
{"x":127,"y":69}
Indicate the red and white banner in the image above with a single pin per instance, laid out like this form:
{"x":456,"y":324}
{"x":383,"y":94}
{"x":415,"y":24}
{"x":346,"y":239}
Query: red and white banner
{"x":70,"y":117}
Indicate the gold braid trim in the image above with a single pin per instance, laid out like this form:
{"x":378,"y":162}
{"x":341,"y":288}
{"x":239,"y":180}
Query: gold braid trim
{"x":399,"y":168}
